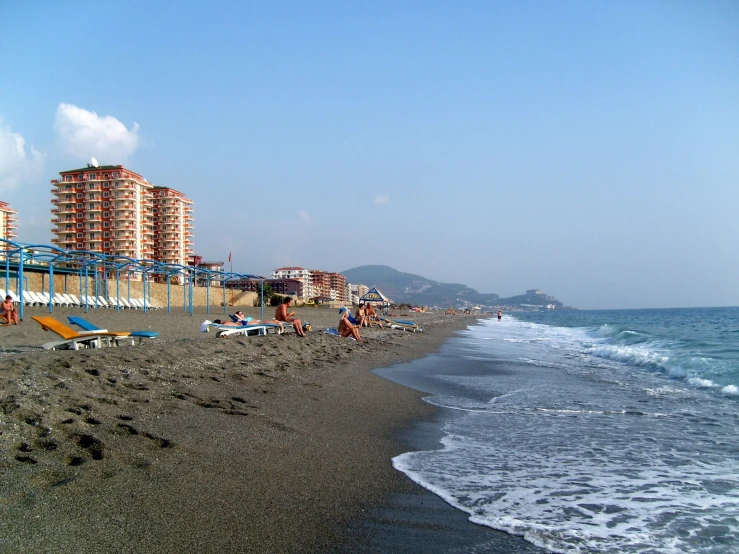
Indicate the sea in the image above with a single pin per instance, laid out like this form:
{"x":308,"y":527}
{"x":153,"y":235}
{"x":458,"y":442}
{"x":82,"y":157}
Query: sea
{"x":588,"y":431}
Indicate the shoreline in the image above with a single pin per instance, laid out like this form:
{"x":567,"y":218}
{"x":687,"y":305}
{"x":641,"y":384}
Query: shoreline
{"x":192,"y":443}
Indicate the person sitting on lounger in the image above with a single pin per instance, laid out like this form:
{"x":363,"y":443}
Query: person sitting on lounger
{"x":346,"y":329}
{"x":8,"y":311}
{"x":282,"y":315}
{"x":371,"y":315}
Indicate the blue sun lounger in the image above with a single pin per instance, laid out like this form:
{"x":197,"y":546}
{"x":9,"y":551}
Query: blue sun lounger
{"x":87,"y":326}
{"x":404,"y":325}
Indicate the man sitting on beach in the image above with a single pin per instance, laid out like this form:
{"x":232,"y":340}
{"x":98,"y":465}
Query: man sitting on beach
{"x":346,"y":329}
{"x":282,"y":315}
{"x":371,"y":316}
{"x":8,"y":311}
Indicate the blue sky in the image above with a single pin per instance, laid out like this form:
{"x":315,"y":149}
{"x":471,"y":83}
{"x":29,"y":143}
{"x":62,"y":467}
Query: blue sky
{"x":589,"y":149}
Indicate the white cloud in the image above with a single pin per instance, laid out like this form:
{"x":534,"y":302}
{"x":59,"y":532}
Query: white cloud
{"x":84,"y":135}
{"x":305,"y":217}
{"x":16,"y":165}
{"x":382,"y":199}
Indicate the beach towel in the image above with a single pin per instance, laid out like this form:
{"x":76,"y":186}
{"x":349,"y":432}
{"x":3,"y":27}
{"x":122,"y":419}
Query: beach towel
{"x":335,"y":333}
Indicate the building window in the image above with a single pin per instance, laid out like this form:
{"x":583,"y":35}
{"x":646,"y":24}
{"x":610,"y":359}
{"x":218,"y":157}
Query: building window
{"x":79,"y":216}
{"x":80,"y":195}
{"x":79,"y":235}
{"x":91,"y":186}
{"x":79,"y":246}
{"x":79,"y":207}
{"x":79,"y":224}
{"x":81,"y":176}
{"x":106,"y":223}
{"x":106,"y":234}
{"x":106,"y":245}
{"x":106,"y":194}
{"x":106,"y":205}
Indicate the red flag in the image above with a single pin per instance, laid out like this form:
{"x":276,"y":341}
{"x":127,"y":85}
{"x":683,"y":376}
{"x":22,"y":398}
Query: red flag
{"x":229,"y":256}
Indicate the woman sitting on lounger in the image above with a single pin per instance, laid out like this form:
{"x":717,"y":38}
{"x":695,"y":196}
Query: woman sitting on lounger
{"x":346,"y":329}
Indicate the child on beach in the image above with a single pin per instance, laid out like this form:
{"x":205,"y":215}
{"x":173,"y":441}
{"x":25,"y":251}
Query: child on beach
{"x":8,"y":311}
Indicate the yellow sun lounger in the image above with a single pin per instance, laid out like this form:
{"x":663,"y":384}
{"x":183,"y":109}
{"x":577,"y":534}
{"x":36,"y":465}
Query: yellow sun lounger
{"x":73,"y":340}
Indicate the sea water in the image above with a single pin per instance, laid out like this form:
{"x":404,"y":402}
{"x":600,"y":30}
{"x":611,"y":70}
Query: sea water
{"x":597,"y":431}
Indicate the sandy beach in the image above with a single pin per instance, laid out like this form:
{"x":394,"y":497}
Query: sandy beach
{"x":190,"y":443}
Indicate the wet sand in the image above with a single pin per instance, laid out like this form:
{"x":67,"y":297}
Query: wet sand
{"x":189,"y":443}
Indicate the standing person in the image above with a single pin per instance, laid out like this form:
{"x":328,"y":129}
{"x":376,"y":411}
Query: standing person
{"x":282,"y":315}
{"x":346,"y":329}
{"x":8,"y":311}
{"x":500,"y":315}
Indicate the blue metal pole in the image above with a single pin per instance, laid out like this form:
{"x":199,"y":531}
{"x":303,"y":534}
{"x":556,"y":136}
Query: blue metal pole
{"x":118,"y":288}
{"x":51,"y":288}
{"x":87,"y":288}
{"x":20,"y":284}
{"x":261,"y":299}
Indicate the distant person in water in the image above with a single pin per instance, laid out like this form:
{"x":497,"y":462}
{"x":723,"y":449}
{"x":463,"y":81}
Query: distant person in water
{"x":282,"y":315}
{"x":500,"y":315}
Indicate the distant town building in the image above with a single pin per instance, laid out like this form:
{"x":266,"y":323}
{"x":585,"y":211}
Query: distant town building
{"x":355,"y":292}
{"x":315,"y":283}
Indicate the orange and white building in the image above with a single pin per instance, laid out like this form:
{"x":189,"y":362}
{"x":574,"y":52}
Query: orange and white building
{"x":316,"y":283}
{"x":173,"y":226}
{"x":8,"y":222}
{"x":113,"y":210}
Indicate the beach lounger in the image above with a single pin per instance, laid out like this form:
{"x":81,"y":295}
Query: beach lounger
{"x":403,"y":325}
{"x":71,"y":339}
{"x":258,"y":329}
{"x":249,"y":330}
{"x":87,"y":326}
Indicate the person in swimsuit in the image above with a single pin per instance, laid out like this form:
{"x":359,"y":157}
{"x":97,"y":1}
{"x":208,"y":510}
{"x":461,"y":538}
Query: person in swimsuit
{"x":8,"y":311}
{"x":346,"y":329}
{"x":282,"y":315}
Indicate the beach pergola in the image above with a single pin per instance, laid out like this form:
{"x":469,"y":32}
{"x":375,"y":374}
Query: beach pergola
{"x":96,"y":269}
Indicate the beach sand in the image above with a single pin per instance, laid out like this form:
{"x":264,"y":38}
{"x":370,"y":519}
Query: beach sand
{"x":190,"y":443}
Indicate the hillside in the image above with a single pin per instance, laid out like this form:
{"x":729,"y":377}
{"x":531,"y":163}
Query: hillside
{"x":413,"y":289}
{"x":408,"y":288}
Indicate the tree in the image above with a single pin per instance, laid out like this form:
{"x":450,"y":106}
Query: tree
{"x":266,"y":290}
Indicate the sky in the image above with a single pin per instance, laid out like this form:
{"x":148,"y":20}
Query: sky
{"x":589,"y":149}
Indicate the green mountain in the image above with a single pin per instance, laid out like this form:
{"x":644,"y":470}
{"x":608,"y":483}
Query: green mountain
{"x":407,"y":288}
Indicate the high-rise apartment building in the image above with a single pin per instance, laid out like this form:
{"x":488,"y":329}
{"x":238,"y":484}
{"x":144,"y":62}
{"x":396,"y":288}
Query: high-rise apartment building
{"x":173,"y":226}
{"x":113,"y":210}
{"x":8,"y":221}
